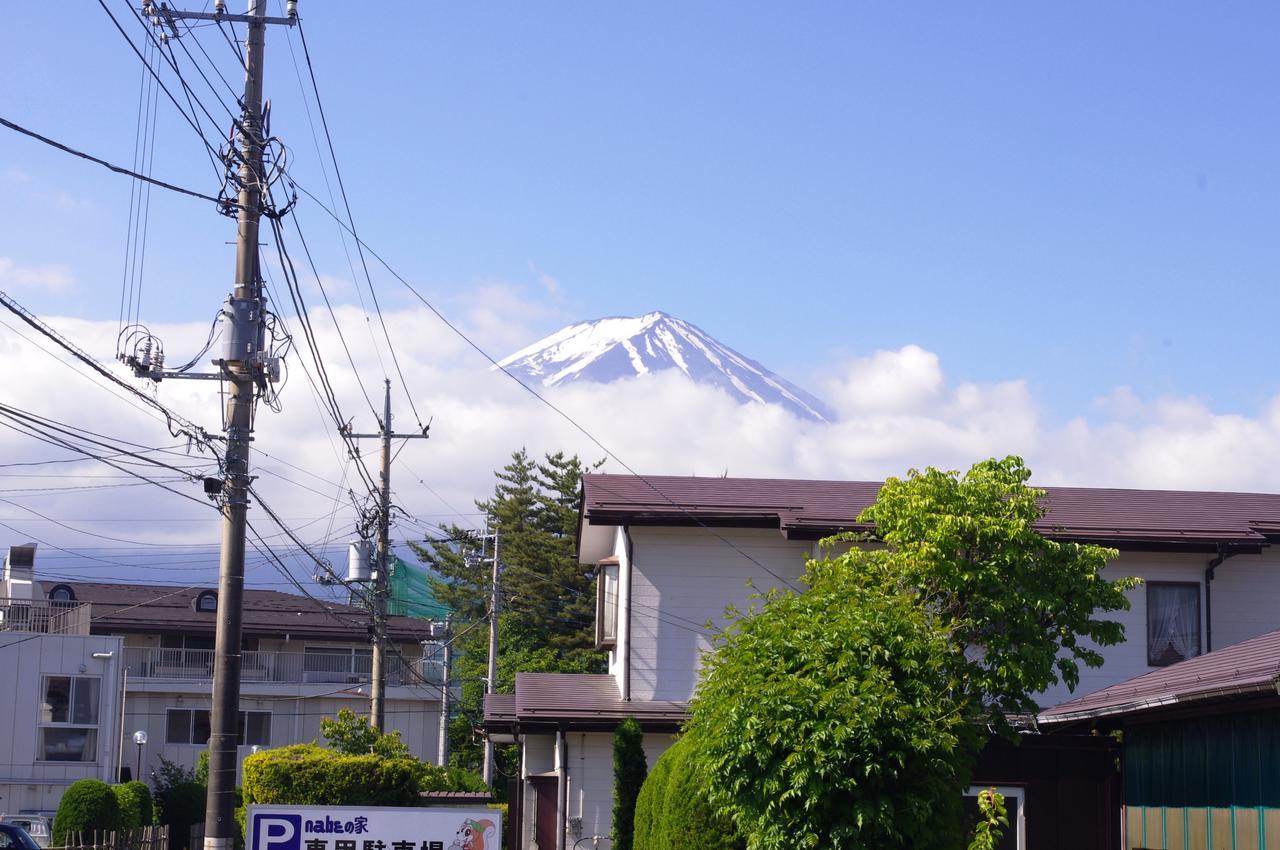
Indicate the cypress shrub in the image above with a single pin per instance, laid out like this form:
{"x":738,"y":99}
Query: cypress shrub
{"x":307,"y":774}
{"x":134,"y":799}
{"x":86,"y":805}
{"x":629,"y":771}
{"x":673,"y":807}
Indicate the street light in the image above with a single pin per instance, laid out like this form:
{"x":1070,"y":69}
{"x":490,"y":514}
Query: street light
{"x":140,"y":738}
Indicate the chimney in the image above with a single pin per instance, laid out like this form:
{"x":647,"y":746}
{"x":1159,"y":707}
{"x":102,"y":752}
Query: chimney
{"x":19,"y":572}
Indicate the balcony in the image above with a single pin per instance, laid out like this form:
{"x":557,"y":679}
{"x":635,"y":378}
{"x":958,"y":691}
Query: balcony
{"x":306,"y":668}
{"x":44,"y":616}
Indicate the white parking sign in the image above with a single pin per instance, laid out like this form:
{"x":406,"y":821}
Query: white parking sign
{"x":372,"y":828}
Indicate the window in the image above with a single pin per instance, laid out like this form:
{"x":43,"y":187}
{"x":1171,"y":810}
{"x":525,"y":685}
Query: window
{"x":1173,"y":622}
{"x":62,"y":593}
{"x":207,"y":600}
{"x":607,"y":603}
{"x":68,"y":722}
{"x":1015,"y":835}
{"x":191,"y":726}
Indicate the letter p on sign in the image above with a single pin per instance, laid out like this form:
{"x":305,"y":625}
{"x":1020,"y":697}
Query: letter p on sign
{"x":276,"y":832}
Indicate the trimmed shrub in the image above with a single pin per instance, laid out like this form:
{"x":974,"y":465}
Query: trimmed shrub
{"x":180,"y":806}
{"x":307,"y":774}
{"x":134,"y":799}
{"x":672,"y":811}
{"x":88,"y":804}
{"x":433,"y":777}
{"x":629,"y":771}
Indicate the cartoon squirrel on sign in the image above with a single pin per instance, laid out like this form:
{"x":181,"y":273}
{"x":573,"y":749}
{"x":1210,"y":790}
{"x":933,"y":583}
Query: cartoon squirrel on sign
{"x":475,"y":835}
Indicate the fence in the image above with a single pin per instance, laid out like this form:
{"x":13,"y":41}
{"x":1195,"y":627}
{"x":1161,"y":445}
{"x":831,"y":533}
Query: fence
{"x":144,"y":838}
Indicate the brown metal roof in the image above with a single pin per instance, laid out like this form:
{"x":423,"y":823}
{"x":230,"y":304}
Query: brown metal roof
{"x":1250,"y":667}
{"x":587,"y":697}
{"x":812,"y":508}
{"x":161,"y":608}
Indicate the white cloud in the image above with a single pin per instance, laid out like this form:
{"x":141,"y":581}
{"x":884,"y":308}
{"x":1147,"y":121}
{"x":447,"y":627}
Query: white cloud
{"x":898,"y":410}
{"x":52,"y":278}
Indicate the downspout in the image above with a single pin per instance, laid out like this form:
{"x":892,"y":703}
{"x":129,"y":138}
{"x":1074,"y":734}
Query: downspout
{"x":1223,"y":554}
{"x":562,"y":787}
{"x":626,"y":637}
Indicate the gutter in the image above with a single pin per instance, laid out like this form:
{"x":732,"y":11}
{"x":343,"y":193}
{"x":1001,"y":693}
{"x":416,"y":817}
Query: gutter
{"x":562,"y":787}
{"x":626,"y":639}
{"x":1210,"y":570}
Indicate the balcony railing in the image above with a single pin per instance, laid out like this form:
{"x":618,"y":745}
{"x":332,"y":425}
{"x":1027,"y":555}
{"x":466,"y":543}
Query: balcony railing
{"x":336,"y":668}
{"x":44,"y":616}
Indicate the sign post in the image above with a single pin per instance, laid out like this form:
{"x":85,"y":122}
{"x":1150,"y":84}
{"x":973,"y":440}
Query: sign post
{"x":372,"y":828}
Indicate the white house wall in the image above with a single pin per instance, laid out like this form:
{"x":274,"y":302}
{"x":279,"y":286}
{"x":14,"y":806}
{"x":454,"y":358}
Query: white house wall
{"x":682,"y":577}
{"x":25,"y":658}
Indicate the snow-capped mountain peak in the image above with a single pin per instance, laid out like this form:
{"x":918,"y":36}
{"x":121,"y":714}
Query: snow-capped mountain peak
{"x":618,"y":347}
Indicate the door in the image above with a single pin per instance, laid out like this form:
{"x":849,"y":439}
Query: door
{"x":544,"y":811}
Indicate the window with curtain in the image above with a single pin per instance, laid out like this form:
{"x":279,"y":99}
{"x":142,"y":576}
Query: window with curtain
{"x":607,"y":605}
{"x":68,"y":719}
{"x":1173,"y":622}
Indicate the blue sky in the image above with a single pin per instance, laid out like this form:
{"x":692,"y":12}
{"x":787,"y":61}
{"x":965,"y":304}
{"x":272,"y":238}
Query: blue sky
{"x":1081,"y":195}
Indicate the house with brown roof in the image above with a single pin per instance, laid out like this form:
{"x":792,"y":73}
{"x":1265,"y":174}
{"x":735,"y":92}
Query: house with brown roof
{"x":303,"y":659}
{"x":671,"y":553}
{"x":1201,"y":747}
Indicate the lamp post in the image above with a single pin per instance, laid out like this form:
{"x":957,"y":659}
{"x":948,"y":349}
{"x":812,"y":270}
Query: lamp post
{"x":140,"y":738}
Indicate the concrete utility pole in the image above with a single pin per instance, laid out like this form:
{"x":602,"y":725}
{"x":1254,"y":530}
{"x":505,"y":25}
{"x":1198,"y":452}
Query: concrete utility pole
{"x":378,"y":676}
{"x":442,"y":749}
{"x":491,"y":681}
{"x":244,"y":366}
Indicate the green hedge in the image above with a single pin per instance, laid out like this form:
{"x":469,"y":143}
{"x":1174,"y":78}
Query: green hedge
{"x":672,"y":807}
{"x":134,"y":799}
{"x":88,"y":804}
{"x":307,"y":774}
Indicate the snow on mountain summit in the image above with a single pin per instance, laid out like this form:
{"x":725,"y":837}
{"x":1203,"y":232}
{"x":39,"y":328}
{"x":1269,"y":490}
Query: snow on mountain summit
{"x":609,"y":349}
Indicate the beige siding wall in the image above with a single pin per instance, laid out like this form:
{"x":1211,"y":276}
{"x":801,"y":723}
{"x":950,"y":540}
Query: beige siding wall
{"x":683,"y":577}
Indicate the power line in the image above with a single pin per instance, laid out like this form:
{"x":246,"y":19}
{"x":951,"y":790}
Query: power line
{"x":116,"y":168}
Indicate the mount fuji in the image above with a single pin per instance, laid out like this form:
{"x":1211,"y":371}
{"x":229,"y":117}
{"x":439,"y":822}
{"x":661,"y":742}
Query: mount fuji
{"x":619,"y":347}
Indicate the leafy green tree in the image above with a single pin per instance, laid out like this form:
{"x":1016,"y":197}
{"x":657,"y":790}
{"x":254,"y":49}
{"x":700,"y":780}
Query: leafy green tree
{"x":970,"y":551}
{"x":629,"y":771}
{"x":179,"y":800}
{"x":825,"y":719}
{"x":850,"y":715}
{"x":351,"y":733}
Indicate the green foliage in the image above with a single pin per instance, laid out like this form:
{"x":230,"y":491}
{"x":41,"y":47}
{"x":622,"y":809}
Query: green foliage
{"x":351,"y":734}
{"x":970,"y":550}
{"x":307,"y":774}
{"x":673,"y":812}
{"x":992,"y":820}
{"x":134,"y":799}
{"x":202,"y":767}
{"x":433,"y":777}
{"x":546,"y":624}
{"x":849,"y":715}
{"x":179,"y":800}
{"x":825,"y":719}
{"x":180,"y":807}
{"x":629,"y":771}
{"x":86,"y":805}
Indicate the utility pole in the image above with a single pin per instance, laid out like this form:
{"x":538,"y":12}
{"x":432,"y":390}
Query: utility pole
{"x":491,"y":681}
{"x":442,"y":749}
{"x":378,"y":604}
{"x":244,"y":366}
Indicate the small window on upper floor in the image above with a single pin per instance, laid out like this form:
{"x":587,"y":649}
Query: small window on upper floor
{"x":1173,"y":622}
{"x":62,"y":593}
{"x":207,"y":601}
{"x":607,"y":603}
